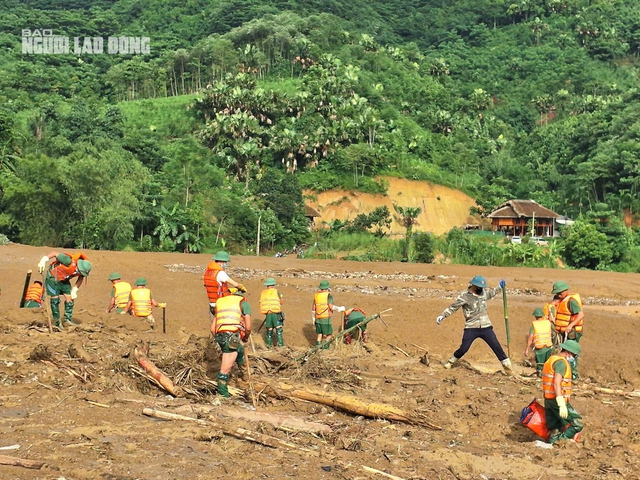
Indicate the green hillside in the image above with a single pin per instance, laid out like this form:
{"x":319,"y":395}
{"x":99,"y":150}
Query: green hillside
{"x":242,"y":104}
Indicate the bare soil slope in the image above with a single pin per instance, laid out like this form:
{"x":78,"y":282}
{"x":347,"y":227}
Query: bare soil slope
{"x":49,"y":413}
{"x":442,"y":208}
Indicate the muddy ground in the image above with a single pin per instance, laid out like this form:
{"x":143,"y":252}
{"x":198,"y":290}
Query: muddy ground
{"x":54,"y":418}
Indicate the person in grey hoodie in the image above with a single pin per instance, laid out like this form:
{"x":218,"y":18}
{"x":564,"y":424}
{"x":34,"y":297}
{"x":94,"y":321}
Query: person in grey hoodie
{"x":477,"y":324}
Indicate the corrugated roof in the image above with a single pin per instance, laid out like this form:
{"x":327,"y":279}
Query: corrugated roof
{"x":310,"y":211}
{"x":522,"y":208}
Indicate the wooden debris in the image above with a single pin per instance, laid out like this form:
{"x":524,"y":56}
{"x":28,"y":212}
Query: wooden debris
{"x":96,"y":403}
{"x":77,"y":351}
{"x":399,"y":349}
{"x":240,"y":433}
{"x":160,"y":379}
{"x":622,"y":393}
{"x":275,"y":419}
{"x":21,"y":462}
{"x":379,"y":472}
{"x":346,"y":403}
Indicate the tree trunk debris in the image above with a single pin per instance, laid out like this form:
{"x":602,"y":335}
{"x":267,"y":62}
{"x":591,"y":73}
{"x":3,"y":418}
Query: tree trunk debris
{"x":157,"y":376}
{"x":20,"y":462}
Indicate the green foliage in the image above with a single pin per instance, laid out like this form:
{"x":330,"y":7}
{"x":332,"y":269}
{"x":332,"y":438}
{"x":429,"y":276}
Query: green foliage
{"x":424,"y":246}
{"x":586,"y":247}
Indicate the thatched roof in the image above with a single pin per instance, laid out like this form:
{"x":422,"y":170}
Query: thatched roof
{"x":522,"y":208}
{"x":310,"y":212}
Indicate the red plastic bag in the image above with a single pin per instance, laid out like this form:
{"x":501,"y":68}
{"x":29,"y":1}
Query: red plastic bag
{"x":534,"y":418}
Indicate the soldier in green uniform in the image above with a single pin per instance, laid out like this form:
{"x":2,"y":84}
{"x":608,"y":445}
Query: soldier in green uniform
{"x":271,"y":307}
{"x":322,"y":310}
{"x":231,"y":325}
{"x":352,"y":317}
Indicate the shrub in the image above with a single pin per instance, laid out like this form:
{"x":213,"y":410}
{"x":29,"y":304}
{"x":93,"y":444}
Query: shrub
{"x":424,"y":247}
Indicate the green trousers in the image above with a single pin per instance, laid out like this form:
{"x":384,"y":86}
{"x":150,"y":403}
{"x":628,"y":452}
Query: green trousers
{"x":557,"y":425}
{"x":542,"y":355}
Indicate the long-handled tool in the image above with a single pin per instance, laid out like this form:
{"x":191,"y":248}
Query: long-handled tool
{"x":44,"y":304}
{"x":506,"y":320}
{"x":164,"y":319}
{"x":27,"y":281}
{"x":253,"y":394}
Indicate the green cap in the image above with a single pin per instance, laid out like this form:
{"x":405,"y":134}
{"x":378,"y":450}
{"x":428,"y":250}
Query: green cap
{"x":114,"y":276}
{"x":324,"y":285}
{"x":141,"y":281}
{"x":221,"y":256}
{"x":571,"y":346}
{"x":559,"y":287}
{"x":270,"y":282}
{"x":479,"y":281}
{"x":84,"y":267}
{"x":538,"y":312}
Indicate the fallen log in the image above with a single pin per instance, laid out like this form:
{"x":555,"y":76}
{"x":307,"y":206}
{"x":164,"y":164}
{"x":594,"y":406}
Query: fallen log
{"x":240,"y":433}
{"x":611,"y":391}
{"x":275,"y":419}
{"x":140,"y":354}
{"x":347,"y":403}
{"x":21,"y":462}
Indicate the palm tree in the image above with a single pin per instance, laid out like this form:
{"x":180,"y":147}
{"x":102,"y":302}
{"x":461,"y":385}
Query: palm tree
{"x":407,"y":217}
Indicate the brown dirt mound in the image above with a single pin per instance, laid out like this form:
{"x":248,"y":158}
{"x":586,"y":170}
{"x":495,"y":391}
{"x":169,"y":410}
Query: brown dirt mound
{"x":442,"y":208}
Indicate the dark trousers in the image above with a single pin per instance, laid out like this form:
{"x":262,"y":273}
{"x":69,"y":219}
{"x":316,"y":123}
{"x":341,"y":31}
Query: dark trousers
{"x":487,"y":334}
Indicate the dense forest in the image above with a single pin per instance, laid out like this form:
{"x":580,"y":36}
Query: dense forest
{"x":243,"y":104}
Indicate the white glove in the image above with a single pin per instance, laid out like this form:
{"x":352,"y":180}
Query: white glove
{"x":339,"y":309}
{"x":439,"y":319}
{"x":562,"y":407}
{"x":74,"y":293}
{"x":43,"y":264}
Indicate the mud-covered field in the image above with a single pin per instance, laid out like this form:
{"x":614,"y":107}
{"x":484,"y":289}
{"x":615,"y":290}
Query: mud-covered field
{"x":77,"y":404}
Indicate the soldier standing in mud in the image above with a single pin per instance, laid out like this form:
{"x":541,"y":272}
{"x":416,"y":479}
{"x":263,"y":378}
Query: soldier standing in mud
{"x":271,"y":308}
{"x":64,"y":267}
{"x":569,"y":317}
{"x":477,"y":324}
{"x":562,"y":419}
{"x":231,"y":324}
{"x":217,"y":281}
{"x":542,"y":337}
{"x":321,"y":311}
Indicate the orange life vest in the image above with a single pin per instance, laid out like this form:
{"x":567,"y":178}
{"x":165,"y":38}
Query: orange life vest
{"x":35,"y":293}
{"x":121,"y":291}
{"x":211,"y":285}
{"x":354,"y":309}
{"x":547,"y":378}
{"x":542,"y":334}
{"x":550,"y":311}
{"x":270,"y":301}
{"x":229,"y":315}
{"x":141,"y":302}
{"x":321,"y":301}
{"x":563,"y":315}
{"x":63,"y":273}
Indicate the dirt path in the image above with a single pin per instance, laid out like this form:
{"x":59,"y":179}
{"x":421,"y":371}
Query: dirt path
{"x":48,"y":412}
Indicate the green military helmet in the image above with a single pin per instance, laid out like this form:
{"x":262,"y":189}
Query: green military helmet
{"x":141,"y":282}
{"x":114,"y":276}
{"x":221,"y":256}
{"x":538,"y":312}
{"x":559,"y":287}
{"x":84,"y":267}
{"x":571,"y":346}
{"x":269,"y":282}
{"x":324,"y":285}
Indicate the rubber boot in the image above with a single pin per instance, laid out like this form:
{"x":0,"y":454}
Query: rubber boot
{"x":279,"y":336}
{"x":223,"y":380}
{"x":325,"y":345}
{"x":554,"y":436}
{"x":506,"y":364}
{"x":318,"y":344}
{"x":240,"y":357}
{"x":347,"y":339}
{"x":269,"y":337}
{"x":68,"y":312}
{"x":451,"y":362}
{"x":55,"y":312}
